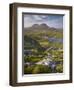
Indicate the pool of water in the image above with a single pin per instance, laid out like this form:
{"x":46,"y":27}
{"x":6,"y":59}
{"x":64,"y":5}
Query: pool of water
{"x":60,"y":40}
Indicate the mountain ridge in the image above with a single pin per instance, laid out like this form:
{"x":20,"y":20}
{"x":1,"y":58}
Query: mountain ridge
{"x":41,"y":27}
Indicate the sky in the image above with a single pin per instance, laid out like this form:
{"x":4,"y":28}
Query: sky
{"x":55,"y":21}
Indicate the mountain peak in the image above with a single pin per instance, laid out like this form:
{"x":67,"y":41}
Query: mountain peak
{"x":41,"y":26}
{"x":44,"y":25}
{"x":35,"y":25}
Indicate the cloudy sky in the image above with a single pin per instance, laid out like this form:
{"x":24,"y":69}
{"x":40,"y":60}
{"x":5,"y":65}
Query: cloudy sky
{"x":55,"y":21}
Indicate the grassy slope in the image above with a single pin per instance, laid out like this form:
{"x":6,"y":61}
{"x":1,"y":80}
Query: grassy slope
{"x":40,"y":44}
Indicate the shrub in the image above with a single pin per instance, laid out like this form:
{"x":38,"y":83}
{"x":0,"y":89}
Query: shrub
{"x":28,"y":70}
{"x":41,"y":69}
{"x":59,"y":68}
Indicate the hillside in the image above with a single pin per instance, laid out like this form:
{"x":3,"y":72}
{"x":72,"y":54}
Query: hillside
{"x":41,"y":41}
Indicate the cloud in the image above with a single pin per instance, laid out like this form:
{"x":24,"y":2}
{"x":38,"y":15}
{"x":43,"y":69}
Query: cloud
{"x":51,"y":20}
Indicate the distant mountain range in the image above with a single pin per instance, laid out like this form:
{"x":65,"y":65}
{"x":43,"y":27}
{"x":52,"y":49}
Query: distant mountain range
{"x":41,"y":27}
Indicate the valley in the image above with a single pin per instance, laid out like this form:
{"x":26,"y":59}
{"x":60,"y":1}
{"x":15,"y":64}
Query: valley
{"x":43,"y":50}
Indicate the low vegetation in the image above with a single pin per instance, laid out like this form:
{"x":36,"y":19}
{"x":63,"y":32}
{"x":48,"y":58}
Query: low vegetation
{"x":38,"y":44}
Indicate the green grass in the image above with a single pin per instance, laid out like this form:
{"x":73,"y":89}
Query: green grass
{"x":32,"y":59}
{"x":35,"y":69}
{"x":41,"y":69}
{"x":59,"y":68}
{"x":39,"y":50}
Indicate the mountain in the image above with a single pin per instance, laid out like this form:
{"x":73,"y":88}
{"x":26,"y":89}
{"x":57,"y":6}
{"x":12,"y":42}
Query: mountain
{"x":37,"y":26}
{"x":34,"y":26}
{"x":41,"y":26}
